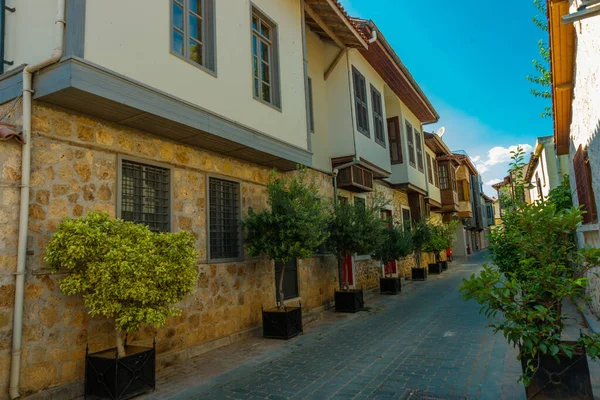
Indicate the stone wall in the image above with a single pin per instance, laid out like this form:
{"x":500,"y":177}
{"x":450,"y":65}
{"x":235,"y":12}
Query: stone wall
{"x":74,"y":169}
{"x":585,"y":126}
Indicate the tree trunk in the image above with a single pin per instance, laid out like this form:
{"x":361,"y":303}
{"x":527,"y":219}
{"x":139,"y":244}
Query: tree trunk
{"x":280,"y":289}
{"x":346,"y":284}
{"x":120,"y":344}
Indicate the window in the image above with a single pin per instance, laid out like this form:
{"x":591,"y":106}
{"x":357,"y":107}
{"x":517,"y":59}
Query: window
{"x":406,"y":219}
{"x":538,"y":182}
{"x":265,"y":59}
{"x":429,"y":169}
{"x":290,"y":279}
{"x":360,"y":102}
{"x":224,"y":219}
{"x":393,"y":125}
{"x":145,"y":195}
{"x":436,"y":173}
{"x":411,"y":144}
{"x":377,"y":116}
{"x":360,"y":202}
{"x":444,"y":177}
{"x":419,"y":150}
{"x":311,"y":108}
{"x":583,"y":183}
{"x":489,"y":212}
{"x":193,"y":32}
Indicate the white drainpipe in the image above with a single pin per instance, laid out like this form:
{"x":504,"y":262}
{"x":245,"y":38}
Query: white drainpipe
{"x":15,"y":368}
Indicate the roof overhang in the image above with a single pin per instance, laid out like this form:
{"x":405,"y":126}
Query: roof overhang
{"x":562,"y":53}
{"x":378,"y":172}
{"x":435,"y":205}
{"x":382,"y":57}
{"x":409,"y":187}
{"x":329,"y":20}
{"x":82,"y":86}
{"x":436,"y":144}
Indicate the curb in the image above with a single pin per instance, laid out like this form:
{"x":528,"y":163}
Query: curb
{"x":590,"y":319}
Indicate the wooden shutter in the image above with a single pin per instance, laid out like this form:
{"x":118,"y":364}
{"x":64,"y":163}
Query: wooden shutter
{"x":429,"y":169}
{"x":466,"y":191}
{"x":393,"y":125}
{"x":583,"y":181}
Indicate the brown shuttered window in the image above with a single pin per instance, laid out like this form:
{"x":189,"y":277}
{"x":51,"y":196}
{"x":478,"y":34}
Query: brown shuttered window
{"x":583,"y":181}
{"x":411,"y":144}
{"x":429,"y":169}
{"x":419,"y":149}
{"x":377,"y":116}
{"x":436,"y":173}
{"x":360,"y":102}
{"x":393,"y":125}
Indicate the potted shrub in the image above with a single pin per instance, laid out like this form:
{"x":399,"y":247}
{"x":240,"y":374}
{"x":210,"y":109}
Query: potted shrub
{"x":536,"y":266}
{"x":293,"y":226}
{"x":396,"y":244}
{"x":448,"y":233}
{"x":435,"y":245}
{"x":354,"y":229}
{"x":130,"y":275}
{"x":421,"y":234}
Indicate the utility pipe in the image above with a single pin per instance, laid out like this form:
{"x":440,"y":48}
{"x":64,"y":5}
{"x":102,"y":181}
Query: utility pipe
{"x":28,"y":72}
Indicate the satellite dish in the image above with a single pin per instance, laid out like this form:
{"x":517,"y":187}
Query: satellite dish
{"x":440,"y":132}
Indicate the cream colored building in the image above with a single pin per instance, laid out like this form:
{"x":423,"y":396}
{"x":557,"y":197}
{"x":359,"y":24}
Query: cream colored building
{"x":545,"y":170}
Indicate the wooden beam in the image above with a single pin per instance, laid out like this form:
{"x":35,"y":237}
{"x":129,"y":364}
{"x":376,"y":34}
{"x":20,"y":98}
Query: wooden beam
{"x":335,"y":62}
{"x":340,"y":15}
{"x":323,"y":26}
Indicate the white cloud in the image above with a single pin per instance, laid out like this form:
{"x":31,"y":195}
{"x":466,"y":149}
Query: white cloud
{"x":481,"y":168}
{"x":499,"y":154}
{"x":493,"y":182}
{"x":476,"y":159}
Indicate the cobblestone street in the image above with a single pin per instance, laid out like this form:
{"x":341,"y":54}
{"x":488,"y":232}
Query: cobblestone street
{"x":425,"y":340}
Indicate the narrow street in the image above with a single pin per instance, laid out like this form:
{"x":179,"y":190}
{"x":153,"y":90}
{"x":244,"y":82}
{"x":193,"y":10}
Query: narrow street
{"x":425,"y":340}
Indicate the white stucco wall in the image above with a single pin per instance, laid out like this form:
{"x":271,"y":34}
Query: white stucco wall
{"x":585,"y":125}
{"x":133,"y":38}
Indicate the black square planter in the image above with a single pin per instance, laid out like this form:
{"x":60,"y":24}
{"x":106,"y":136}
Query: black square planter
{"x":435,"y":268}
{"x":567,"y":379}
{"x":349,"y":301}
{"x":284,"y":323}
{"x":109,"y":377}
{"x":390,"y":285}
{"x":444,"y":265}
{"x":419,"y":274}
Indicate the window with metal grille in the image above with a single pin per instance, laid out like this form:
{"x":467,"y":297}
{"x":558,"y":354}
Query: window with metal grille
{"x":419,"y":150}
{"x":265,"y":59}
{"x":444,"y":177}
{"x":360,"y":102}
{"x":583,"y":182}
{"x":145,"y":195}
{"x":429,"y":169}
{"x":377,"y":116}
{"x":411,"y":144}
{"x":193,"y":32}
{"x":311,"y":108}
{"x":224,"y":219}
{"x":393,"y":125}
{"x":290,"y":279}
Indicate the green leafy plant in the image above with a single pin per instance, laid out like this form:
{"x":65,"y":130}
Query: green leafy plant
{"x":543,"y":78}
{"x":437,"y":241}
{"x":536,"y":265}
{"x":421,"y":235}
{"x":124,"y":271}
{"x":561,"y":195}
{"x":397,"y":244}
{"x":293,"y":226}
{"x":356,"y":229}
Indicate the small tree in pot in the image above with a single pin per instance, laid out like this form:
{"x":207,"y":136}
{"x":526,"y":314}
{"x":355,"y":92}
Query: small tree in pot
{"x":421,"y":235}
{"x":293,"y":226}
{"x":355,"y":229}
{"x":448,"y":231}
{"x":130,"y":275}
{"x":396,"y":245}
{"x":436,"y":244}
{"x":529,"y":296}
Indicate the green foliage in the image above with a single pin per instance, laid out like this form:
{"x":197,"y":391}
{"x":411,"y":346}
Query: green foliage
{"x":437,"y":240}
{"x":124,"y":271}
{"x":536,"y":266}
{"x":449,"y":233}
{"x":561,"y":195}
{"x":543,"y":78}
{"x":294,"y":225}
{"x":397,"y":244}
{"x":357,"y":229}
{"x":421,"y":232}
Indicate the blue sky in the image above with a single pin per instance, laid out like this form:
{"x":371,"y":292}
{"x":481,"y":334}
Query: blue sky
{"x":470,"y":58}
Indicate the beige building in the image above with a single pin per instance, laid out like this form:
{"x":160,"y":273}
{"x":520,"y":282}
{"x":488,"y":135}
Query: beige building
{"x":545,"y":170}
{"x":158,"y":125}
{"x":575,"y":63}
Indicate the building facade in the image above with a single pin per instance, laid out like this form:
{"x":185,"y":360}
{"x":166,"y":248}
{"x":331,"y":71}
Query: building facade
{"x":545,"y":170}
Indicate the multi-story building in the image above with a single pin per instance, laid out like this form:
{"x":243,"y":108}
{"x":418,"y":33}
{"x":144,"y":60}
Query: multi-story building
{"x":574,"y":28}
{"x":443,"y":196}
{"x":177,"y":124}
{"x":545,"y":170}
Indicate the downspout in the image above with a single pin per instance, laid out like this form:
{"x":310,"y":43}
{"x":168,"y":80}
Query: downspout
{"x":306,"y":98}
{"x":28,"y":72}
{"x":2,"y":33}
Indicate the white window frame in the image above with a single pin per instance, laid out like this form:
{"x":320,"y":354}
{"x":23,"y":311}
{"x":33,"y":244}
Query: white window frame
{"x":273,"y":64}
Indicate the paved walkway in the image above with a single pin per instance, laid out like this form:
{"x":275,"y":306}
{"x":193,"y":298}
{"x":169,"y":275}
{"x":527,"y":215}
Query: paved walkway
{"x":425,"y":342}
